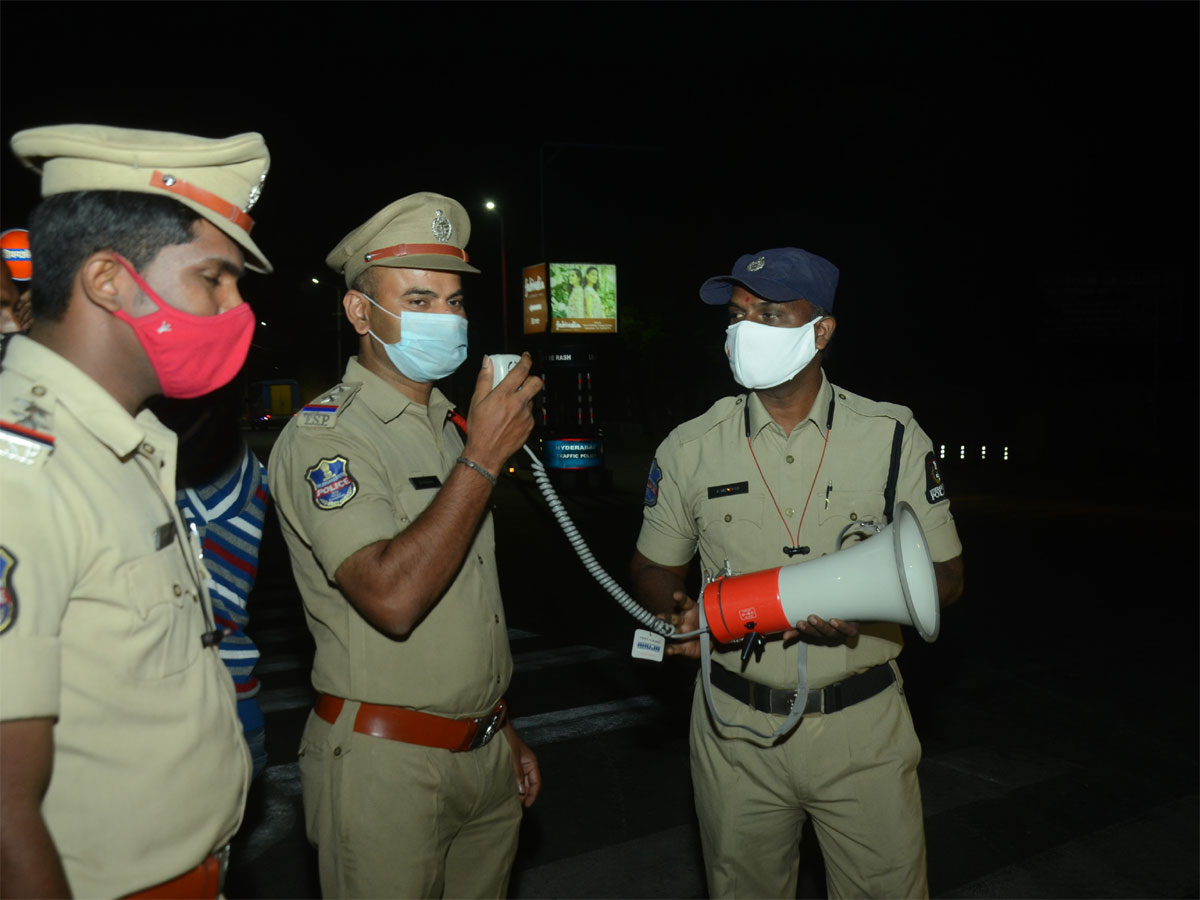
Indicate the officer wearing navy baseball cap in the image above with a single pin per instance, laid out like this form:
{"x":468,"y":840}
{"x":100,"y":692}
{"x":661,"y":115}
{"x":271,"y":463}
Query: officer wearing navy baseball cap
{"x":773,"y":477}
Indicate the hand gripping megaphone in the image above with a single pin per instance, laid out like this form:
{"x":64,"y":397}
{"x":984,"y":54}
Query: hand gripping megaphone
{"x":889,"y":578}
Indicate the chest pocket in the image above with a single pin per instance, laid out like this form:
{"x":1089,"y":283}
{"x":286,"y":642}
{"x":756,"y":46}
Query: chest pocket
{"x":848,"y":507}
{"x":731,"y":526}
{"x":167,"y":617}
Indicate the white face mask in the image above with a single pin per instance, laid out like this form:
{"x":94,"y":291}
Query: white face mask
{"x":762,"y":356}
{"x":431,"y":345}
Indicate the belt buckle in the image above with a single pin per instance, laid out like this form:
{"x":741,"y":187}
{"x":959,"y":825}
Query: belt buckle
{"x":486,"y":728}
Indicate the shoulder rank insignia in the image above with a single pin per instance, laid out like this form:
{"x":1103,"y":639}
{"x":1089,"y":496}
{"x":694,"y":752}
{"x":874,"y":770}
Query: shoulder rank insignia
{"x":324,"y":410}
{"x":332,"y":483}
{"x":24,"y":445}
{"x":652,"y":481}
{"x":8,"y":596}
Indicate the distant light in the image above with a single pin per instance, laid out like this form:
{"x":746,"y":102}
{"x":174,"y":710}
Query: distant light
{"x":263,"y":324}
{"x":942,"y":454}
{"x":1005,"y":453}
{"x":314,"y":281}
{"x":490,"y":205}
{"x":983,"y":451}
{"x":962,"y":451}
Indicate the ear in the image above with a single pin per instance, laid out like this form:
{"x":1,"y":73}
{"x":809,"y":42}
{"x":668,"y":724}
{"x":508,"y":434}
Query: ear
{"x":357,"y":311}
{"x":823,"y":331}
{"x":101,"y":279}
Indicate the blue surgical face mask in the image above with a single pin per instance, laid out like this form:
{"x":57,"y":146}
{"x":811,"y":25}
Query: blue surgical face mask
{"x":431,"y":345}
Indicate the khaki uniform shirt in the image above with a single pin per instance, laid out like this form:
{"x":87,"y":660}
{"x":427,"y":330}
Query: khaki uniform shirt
{"x":357,"y":466}
{"x":103,"y":611}
{"x":705,"y":492}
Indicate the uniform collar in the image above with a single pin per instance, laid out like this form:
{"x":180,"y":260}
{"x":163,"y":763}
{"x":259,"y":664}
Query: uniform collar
{"x":817,"y":416}
{"x":388,"y":403}
{"x":56,"y":380}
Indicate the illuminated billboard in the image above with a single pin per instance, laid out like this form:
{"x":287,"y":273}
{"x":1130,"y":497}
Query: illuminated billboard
{"x":583,"y":298}
{"x":537,"y":302}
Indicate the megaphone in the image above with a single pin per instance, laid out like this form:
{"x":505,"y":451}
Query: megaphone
{"x":889,"y":578}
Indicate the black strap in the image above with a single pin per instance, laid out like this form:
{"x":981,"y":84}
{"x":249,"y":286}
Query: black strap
{"x":830,"y":699}
{"x":889,"y":492}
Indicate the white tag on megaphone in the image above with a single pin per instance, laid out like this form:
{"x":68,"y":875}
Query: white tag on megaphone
{"x":648,"y":645}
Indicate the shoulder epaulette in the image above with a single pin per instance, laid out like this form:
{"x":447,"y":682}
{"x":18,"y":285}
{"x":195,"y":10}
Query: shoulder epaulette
{"x":866,"y":407}
{"x":710,"y":419}
{"x":325,"y":409}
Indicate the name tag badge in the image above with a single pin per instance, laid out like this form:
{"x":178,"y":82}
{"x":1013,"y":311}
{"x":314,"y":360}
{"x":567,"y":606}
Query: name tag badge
{"x":425,"y":482}
{"x":728,"y":490}
{"x":164,"y":535}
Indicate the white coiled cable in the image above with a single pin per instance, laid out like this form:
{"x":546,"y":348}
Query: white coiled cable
{"x":590,"y":563}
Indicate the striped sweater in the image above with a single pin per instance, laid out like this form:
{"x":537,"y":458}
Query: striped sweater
{"x":229,"y":515}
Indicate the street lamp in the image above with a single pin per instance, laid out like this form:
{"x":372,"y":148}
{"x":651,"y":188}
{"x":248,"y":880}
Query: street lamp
{"x":492,"y":207}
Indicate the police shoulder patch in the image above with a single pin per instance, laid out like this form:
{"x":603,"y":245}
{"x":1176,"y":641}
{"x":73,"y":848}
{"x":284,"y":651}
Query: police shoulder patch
{"x":935,"y":488}
{"x":652,"y":481}
{"x":323,"y":411}
{"x":333,"y":485}
{"x":8,"y":594}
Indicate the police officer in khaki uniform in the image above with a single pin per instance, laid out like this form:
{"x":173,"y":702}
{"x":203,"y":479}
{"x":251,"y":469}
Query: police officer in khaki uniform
{"x":385,"y":513}
{"x":770,"y":478}
{"x":123,"y":767}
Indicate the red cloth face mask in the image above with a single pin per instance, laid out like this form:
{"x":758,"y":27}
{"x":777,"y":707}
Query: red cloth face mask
{"x":191,"y":355}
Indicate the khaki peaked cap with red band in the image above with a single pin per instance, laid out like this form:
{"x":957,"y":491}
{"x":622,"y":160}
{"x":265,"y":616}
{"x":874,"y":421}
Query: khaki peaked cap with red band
{"x":420,"y":231}
{"x":218,"y":178}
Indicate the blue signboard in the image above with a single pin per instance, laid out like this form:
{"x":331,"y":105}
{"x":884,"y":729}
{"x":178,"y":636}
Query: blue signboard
{"x":574,"y":453}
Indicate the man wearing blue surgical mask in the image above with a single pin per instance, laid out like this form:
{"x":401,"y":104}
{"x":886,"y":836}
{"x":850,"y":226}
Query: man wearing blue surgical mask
{"x":385,"y":512}
{"x":770,"y":478}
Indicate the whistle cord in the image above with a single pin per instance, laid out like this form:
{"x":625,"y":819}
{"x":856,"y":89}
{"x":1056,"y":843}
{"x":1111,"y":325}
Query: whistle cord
{"x":794,"y":549}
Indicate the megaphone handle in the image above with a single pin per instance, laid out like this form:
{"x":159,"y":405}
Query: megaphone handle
{"x":798,"y":704}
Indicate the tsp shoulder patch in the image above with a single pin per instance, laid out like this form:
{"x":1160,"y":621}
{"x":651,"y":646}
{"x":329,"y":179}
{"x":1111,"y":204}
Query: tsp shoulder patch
{"x":324,"y":410}
{"x":333,"y":485}
{"x":935,"y":488}
{"x":24,"y":445}
{"x":8,"y":594}
{"x":652,"y":481}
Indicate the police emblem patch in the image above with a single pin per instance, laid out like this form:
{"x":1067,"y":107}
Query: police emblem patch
{"x":333,"y":485}
{"x":652,"y":481}
{"x":935,"y":489}
{"x":8,"y":595}
{"x":442,"y":229}
{"x":755,"y":265}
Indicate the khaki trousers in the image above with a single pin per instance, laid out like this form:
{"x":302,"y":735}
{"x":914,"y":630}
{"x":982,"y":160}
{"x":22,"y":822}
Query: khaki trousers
{"x":397,"y":820}
{"x":854,"y":773}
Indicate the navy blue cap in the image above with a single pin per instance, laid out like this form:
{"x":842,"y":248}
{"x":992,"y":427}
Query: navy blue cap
{"x":779,"y":275}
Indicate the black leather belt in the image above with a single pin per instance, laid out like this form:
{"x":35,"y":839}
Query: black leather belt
{"x":829,"y":699}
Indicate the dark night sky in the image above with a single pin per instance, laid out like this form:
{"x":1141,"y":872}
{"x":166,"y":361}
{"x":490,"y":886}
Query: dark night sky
{"x":949,"y":158}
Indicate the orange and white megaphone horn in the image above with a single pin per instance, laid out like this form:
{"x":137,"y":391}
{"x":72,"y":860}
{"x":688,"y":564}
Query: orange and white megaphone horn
{"x":888,"y":578}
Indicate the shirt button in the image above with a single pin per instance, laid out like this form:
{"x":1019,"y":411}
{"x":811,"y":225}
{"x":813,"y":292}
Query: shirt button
{"x":790,"y":459}
{"x":791,"y":512}
{"x":497,"y":679}
{"x":178,"y":591}
{"x":728,"y":517}
{"x":148,"y":449}
{"x":497,"y":618}
{"x":480,"y":558}
{"x":337,"y":751}
{"x":38,"y":391}
{"x":853,"y":517}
